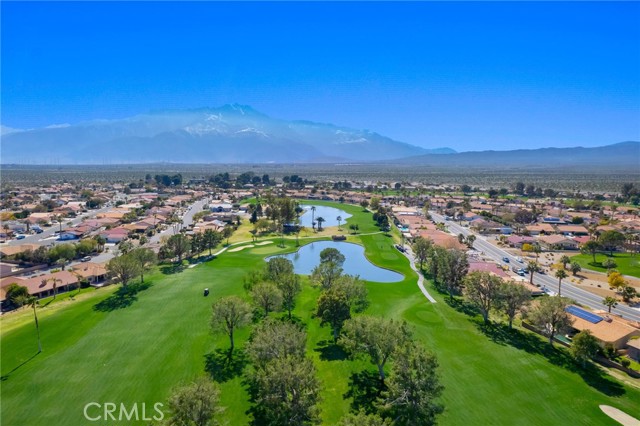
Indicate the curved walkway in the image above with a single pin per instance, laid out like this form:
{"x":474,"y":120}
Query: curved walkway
{"x":409,"y":254}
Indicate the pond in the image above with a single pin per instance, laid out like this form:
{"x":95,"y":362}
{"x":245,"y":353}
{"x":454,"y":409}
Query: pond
{"x":356,"y":263}
{"x":329,"y":214}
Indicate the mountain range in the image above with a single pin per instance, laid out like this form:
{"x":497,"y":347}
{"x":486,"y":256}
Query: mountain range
{"x":229,"y":134}
{"x":239,"y":134}
{"x":623,"y":155}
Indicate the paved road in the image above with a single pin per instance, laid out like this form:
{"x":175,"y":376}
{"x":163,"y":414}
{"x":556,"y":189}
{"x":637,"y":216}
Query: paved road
{"x":48,"y":235}
{"x":545,"y":281}
{"x":187,"y":219}
{"x":111,"y":249}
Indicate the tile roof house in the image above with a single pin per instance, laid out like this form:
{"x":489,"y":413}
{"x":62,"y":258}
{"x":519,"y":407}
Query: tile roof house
{"x":42,"y":285}
{"x":610,"y":329}
{"x":92,"y":272}
{"x":558,"y":242}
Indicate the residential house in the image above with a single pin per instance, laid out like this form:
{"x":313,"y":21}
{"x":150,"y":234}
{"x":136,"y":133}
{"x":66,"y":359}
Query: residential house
{"x":578,"y":230}
{"x":553,"y":220}
{"x":93,"y":273}
{"x":558,"y":242}
{"x":42,"y":285}
{"x":633,"y":349}
{"x":442,"y":239}
{"x":606,"y":328}
{"x":540,"y":229}
{"x":115,"y":235}
{"x":518,"y":241}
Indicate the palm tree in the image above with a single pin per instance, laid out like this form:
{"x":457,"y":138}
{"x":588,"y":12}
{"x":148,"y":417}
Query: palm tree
{"x":313,"y":214}
{"x":610,"y":302}
{"x":532,"y":267}
{"x":101,"y":242}
{"x":564,"y":260}
{"x":320,"y":220}
{"x":560,"y":275}
{"x":339,"y":219}
{"x":55,"y":282}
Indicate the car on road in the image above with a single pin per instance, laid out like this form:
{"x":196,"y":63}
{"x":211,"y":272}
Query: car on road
{"x":20,"y":237}
{"x":505,"y":259}
{"x":519,"y":259}
{"x":86,"y":258}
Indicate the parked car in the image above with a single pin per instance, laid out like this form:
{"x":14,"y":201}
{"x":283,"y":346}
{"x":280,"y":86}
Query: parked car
{"x":20,"y":237}
{"x":86,"y":258}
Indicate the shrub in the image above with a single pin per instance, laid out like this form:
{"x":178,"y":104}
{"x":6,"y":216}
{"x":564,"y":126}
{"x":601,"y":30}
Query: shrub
{"x":610,"y":351}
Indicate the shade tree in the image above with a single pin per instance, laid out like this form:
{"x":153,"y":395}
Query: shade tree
{"x":195,"y":404}
{"x":483,"y":290}
{"x":228,"y":314}
{"x":550,"y":316}
{"x":374,"y":338}
{"x":413,"y":387}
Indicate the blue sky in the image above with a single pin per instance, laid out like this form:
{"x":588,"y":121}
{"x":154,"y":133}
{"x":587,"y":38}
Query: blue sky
{"x":469,"y":76}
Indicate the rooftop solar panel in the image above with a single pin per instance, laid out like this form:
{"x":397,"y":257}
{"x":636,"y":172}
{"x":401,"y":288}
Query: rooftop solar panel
{"x":585,"y":315}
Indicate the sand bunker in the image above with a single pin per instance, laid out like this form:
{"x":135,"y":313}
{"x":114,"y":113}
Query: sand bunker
{"x":620,"y":416}
{"x":240,"y":248}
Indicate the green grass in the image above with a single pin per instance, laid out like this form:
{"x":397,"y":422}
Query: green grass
{"x":627,"y":264}
{"x":137,"y":353}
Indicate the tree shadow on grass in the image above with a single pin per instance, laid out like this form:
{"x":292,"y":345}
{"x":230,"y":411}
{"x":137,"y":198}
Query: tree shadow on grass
{"x":330,"y":351}
{"x":122,"y":298}
{"x":172,"y":268}
{"x":528,"y":342}
{"x":365,"y":388}
{"x":5,"y":377}
{"x":462,"y":306}
{"x":200,"y":259}
{"x":222,"y":367}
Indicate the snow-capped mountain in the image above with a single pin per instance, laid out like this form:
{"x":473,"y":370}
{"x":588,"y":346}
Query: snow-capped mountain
{"x":229,"y":134}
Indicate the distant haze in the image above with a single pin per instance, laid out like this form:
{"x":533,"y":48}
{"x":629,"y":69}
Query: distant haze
{"x":229,"y":134}
{"x":240,"y":134}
